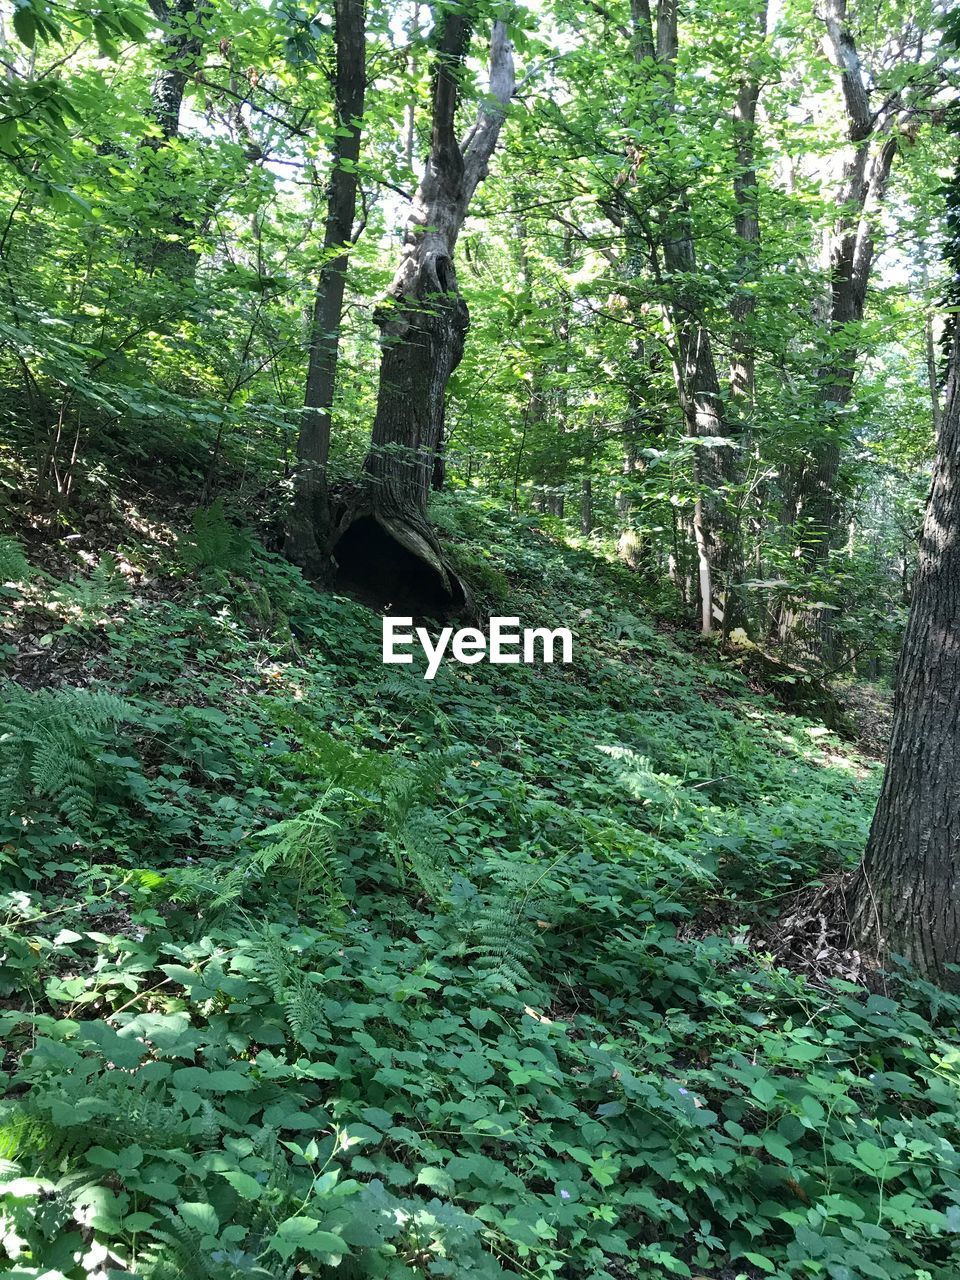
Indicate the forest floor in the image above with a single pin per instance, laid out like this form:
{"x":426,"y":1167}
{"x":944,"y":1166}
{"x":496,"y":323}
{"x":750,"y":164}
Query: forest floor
{"x":314,"y":968}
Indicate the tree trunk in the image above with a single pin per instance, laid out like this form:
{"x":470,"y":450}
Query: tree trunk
{"x":930,"y":345}
{"x":308,"y":523}
{"x":715,"y":465}
{"x":746,"y":221}
{"x":180,"y":54}
{"x":905,"y":898}
{"x":423,"y":320}
{"x":182,"y":42}
{"x":816,"y":495}
{"x":586,"y":505}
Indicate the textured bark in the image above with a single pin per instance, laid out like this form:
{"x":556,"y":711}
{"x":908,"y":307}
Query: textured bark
{"x":308,"y":524}
{"x":905,"y":899}
{"x":181,"y":44}
{"x":181,"y":49}
{"x":586,"y":505}
{"x":423,"y":320}
{"x":930,"y":345}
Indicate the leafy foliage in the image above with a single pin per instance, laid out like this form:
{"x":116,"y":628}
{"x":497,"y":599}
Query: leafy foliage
{"x":366,"y":981}
{"x":48,"y":744}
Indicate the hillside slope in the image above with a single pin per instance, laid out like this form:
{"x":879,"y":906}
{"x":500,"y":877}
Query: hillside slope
{"x":313,"y":967}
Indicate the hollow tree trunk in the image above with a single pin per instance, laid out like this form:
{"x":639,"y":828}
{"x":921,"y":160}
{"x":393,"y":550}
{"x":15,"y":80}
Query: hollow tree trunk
{"x":423,"y":320}
{"x":308,"y":522}
{"x":905,"y":898}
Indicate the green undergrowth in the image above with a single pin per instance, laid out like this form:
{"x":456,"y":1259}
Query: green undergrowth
{"x":313,"y":968}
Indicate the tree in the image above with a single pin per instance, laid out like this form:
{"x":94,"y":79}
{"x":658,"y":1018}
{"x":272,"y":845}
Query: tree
{"x":874,"y":132}
{"x":181,"y":46}
{"x":308,"y":523}
{"x":904,"y":898}
{"x":423,"y":320}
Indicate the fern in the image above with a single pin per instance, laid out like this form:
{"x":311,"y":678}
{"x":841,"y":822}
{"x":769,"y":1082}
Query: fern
{"x":502,"y":935}
{"x":207,"y":883}
{"x":306,"y":847}
{"x":413,"y":831}
{"x":323,"y":756}
{"x":421,"y":838}
{"x":138,"y":1110}
{"x":14,"y":565}
{"x":87,"y":601}
{"x":49,"y":741}
{"x":182,"y":1256}
{"x":214,"y":543}
{"x":290,"y":987}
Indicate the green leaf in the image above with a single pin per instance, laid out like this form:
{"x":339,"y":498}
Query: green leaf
{"x":247,"y":1188}
{"x":25,"y":25}
{"x":200,"y":1216}
{"x":777,"y":1148}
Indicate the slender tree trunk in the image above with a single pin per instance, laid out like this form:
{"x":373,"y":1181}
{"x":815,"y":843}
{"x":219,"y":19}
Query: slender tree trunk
{"x":816,"y":488}
{"x":586,"y":505}
{"x":181,"y":44}
{"x":715,"y":465}
{"x":181,"y":48}
{"x":905,"y":898}
{"x":308,"y":523}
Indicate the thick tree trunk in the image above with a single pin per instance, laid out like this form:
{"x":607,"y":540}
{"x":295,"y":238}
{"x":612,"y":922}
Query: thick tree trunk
{"x":308,"y":523}
{"x":423,"y":320}
{"x":906,"y":897}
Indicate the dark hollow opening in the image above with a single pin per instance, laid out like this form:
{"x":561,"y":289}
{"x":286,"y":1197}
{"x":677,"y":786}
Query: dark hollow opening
{"x":379,"y":571}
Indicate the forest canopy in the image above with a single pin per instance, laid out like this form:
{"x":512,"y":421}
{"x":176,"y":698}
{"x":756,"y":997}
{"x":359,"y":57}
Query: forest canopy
{"x":700,"y":302}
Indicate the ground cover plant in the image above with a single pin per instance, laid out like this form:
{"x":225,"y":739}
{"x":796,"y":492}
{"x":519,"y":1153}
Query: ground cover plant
{"x":311,"y":967}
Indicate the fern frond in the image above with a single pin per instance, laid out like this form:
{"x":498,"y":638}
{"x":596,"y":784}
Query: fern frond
{"x":306,"y":846}
{"x":413,"y":830}
{"x":321,"y":755}
{"x":86,"y":600}
{"x":14,"y":565}
{"x":49,"y":745}
{"x":290,"y":987}
{"x":502,"y":935}
{"x":214,"y":543}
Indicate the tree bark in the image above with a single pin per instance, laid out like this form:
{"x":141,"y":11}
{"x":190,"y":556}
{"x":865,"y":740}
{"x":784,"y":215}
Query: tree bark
{"x":905,"y":900}
{"x":308,"y":523}
{"x":181,"y":44}
{"x":181,"y":47}
{"x":423,"y":320}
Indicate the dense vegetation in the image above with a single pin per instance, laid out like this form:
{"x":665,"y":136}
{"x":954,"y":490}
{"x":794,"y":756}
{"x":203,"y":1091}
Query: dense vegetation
{"x":308,"y":959}
{"x":312,"y":967}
